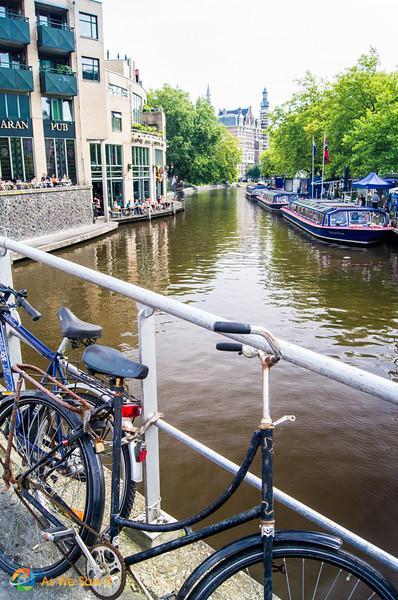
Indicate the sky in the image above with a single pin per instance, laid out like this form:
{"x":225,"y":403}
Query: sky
{"x":239,"y":47}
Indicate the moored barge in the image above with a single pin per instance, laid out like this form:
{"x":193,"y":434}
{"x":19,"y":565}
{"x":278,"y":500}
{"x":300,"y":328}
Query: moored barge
{"x":253,"y":190}
{"x":338,"y":222}
{"x":274,"y":200}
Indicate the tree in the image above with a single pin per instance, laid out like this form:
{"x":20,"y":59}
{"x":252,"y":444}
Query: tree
{"x":199,"y":149}
{"x":254,"y":172}
{"x":180,"y":116}
{"x":357,"y":111}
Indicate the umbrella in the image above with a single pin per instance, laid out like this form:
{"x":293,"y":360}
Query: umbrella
{"x":371,"y":182}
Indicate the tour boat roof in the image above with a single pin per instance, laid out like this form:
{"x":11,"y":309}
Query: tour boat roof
{"x":327,"y":206}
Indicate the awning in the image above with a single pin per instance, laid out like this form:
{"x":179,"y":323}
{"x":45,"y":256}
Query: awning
{"x":372,"y":181}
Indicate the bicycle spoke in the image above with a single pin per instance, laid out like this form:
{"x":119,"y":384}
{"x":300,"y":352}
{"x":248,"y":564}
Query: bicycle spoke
{"x":317,"y":580}
{"x":333,"y":584}
{"x":287,"y":579}
{"x":58,"y":485}
{"x":353,"y":590}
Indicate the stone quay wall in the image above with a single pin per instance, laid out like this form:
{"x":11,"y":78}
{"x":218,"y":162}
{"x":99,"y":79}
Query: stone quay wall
{"x":29,"y":214}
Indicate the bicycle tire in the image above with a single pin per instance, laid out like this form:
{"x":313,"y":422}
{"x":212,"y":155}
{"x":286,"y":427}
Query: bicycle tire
{"x":128,"y":487}
{"x":346,"y":575}
{"x":41,"y":423}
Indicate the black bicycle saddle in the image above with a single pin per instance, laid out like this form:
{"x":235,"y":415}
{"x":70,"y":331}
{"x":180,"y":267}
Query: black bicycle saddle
{"x":108,"y":361}
{"x":74,"y":329}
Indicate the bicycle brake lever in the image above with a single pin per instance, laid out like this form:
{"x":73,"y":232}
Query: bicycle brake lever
{"x":291,"y":418}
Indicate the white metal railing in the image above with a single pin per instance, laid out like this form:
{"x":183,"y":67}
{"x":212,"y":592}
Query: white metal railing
{"x":147,"y":302}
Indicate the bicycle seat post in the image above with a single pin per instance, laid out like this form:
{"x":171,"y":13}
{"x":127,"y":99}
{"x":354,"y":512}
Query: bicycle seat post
{"x":117,"y":385}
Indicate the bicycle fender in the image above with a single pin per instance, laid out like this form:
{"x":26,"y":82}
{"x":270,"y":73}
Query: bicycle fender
{"x":9,"y":398}
{"x":312,"y":538}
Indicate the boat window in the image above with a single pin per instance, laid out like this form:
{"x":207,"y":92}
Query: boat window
{"x":378,"y":218}
{"x":358,"y":217}
{"x":339,"y":219}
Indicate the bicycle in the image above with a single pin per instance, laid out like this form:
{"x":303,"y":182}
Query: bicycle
{"x":292,"y":562}
{"x":76,"y":333}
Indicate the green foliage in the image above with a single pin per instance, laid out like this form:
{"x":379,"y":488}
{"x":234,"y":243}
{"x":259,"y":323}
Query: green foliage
{"x":146,"y":129}
{"x":254,"y":172}
{"x":199,"y":150}
{"x":358,"y":112}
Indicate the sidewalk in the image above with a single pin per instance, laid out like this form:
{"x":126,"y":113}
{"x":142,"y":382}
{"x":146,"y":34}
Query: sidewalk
{"x":68,"y":237}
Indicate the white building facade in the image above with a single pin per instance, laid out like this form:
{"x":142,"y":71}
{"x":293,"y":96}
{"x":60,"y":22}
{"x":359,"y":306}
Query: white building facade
{"x":249,"y":131}
{"x":67,"y":111}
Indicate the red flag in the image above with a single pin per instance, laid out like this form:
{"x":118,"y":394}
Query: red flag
{"x":326,"y":150}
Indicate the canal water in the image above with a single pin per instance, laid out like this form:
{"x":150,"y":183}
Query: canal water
{"x":227,"y":256}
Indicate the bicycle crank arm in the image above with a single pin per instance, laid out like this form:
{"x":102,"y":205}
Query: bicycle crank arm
{"x":61,"y":534}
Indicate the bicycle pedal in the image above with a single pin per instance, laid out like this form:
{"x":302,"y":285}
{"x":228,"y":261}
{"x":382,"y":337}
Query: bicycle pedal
{"x":57,"y":534}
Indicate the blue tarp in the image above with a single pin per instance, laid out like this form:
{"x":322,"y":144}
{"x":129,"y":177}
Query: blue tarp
{"x":371,"y":182}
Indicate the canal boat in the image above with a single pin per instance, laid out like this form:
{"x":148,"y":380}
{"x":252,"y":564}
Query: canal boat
{"x":254,"y":189}
{"x":274,"y":200}
{"x":338,"y":222}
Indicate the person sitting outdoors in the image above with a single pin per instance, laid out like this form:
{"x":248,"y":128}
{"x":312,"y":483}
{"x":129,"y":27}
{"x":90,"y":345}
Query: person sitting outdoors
{"x":127,"y":208}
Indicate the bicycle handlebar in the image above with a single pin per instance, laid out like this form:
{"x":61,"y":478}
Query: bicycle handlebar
{"x":231,"y":327}
{"x":229,"y":347}
{"x":20,"y":298}
{"x":32,"y":312}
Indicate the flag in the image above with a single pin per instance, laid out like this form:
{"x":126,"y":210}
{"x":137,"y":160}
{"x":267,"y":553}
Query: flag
{"x":326,"y":150}
{"x":313,"y":146}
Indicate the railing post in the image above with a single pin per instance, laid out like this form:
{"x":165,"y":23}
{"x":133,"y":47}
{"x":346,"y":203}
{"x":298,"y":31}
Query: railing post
{"x":147,"y":347}
{"x":14,"y":344}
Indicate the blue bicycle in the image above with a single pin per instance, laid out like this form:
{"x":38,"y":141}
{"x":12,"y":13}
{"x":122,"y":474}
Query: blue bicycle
{"x":61,"y":372}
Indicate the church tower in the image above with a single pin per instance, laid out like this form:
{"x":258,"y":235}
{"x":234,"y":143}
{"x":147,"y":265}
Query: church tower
{"x":264,"y":108}
{"x":208,"y":95}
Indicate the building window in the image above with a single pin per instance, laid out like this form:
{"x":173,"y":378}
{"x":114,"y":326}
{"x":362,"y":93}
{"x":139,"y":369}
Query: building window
{"x":137,"y":108}
{"x":49,"y":19}
{"x":61,"y":158}
{"x":96,"y":162}
{"x":88,"y":26}
{"x":159,"y":157}
{"x":57,"y":109}
{"x":114,"y":172}
{"x":13,"y":59}
{"x":141,"y":172}
{"x":90,"y":68}
{"x":116,"y":121}
{"x":16,"y":159}
{"x":14,"y":106}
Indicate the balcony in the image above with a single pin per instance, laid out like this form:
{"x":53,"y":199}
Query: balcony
{"x":54,"y":82}
{"x":15,"y":77}
{"x":14,"y":31}
{"x":55,"y":39}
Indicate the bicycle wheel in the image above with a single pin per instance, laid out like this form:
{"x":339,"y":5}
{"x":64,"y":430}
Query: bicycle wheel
{"x":70,"y":483}
{"x":128,"y":487}
{"x":299,"y":571}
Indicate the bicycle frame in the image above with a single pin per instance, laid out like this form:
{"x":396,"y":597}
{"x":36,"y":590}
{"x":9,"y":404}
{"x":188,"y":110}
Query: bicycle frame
{"x":54,"y":368}
{"x":58,"y":365}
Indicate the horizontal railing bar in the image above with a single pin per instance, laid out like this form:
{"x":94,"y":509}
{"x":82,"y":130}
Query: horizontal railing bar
{"x":305,"y":511}
{"x":329,"y":367}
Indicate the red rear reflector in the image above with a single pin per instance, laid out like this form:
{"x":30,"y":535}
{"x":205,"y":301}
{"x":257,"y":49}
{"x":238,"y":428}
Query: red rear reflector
{"x":130,"y":411}
{"x":142,"y":455}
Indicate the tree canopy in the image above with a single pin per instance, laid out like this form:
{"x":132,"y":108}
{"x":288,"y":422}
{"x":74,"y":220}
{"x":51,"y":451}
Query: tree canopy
{"x":199,"y":149}
{"x":357,"y":110}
